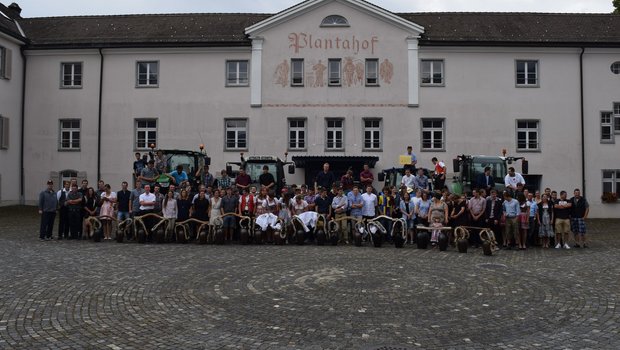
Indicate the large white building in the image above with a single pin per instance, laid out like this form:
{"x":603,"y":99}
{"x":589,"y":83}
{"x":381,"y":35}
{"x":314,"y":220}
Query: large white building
{"x":337,"y":80}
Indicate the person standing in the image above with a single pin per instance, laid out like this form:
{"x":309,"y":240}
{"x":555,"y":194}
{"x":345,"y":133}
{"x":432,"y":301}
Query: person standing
{"x":476,"y":207}
{"x":243,"y":180}
{"x":134,"y":198}
{"x":493,"y":214}
{"x":229,"y":206}
{"x":579,"y":214}
{"x":532,"y":234}
{"x":545,"y":220}
{"x":266,"y":179}
{"x":347,"y":181}
{"x":340,"y":204}
{"x":205,"y":176}
{"x":512,"y":179}
{"x":63,"y":214}
{"x":414,"y":160}
{"x":48,"y":203}
{"x":74,"y":206}
{"x":124,"y":203}
{"x":224,"y":181}
{"x":370,"y":200}
{"x":421,"y":181}
{"x":408,"y":179}
{"x":108,"y":198}
{"x":323,"y":205}
{"x":439,"y":175}
{"x":325,"y":178}
{"x":138,"y":165}
{"x":366,"y":177}
{"x":149,"y":175}
{"x":562,"y":210}
{"x":511,"y":212}
{"x":170,"y":211}
{"x":485,"y":180}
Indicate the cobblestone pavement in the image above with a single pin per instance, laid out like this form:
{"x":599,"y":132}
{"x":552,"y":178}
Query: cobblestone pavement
{"x":70,"y":294}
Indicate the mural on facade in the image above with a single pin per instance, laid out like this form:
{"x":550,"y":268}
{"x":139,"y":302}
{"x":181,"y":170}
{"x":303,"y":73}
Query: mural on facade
{"x":386,"y":71}
{"x":281,"y":73}
{"x":319,"y":74}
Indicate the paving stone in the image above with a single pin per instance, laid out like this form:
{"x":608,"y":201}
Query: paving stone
{"x":80,"y":294}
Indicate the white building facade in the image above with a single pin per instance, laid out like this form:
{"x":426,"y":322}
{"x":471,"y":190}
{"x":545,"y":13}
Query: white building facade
{"x":341,"y":81}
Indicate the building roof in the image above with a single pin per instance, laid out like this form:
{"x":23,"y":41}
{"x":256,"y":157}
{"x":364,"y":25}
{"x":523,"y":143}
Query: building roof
{"x":8,"y":25}
{"x":227,"y":29}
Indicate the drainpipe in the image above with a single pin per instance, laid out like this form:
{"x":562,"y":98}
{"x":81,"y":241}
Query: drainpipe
{"x":22,"y":195}
{"x":99,"y":117}
{"x":583,"y":138}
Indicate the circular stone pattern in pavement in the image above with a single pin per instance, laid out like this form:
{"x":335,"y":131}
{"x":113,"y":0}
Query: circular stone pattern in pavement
{"x":69,"y":294}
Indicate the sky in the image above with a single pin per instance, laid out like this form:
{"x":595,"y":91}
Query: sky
{"x":43,"y":8}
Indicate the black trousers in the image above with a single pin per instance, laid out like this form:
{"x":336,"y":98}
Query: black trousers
{"x":47,"y":224}
{"x":63,"y":223}
{"x":497,"y":230}
{"x":75,"y":223}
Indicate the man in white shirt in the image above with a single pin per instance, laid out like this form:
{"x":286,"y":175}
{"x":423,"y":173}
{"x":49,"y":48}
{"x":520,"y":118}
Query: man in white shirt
{"x":147,"y":200}
{"x":370,"y":204}
{"x":408,"y":180}
{"x":512,"y":179}
{"x":63,"y":212}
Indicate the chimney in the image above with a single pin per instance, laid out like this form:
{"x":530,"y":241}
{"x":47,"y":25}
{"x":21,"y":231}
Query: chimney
{"x":14,"y":11}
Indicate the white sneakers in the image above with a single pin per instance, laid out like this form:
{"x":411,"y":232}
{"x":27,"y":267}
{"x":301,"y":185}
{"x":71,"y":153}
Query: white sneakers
{"x":566,"y":246}
{"x":558,"y":246}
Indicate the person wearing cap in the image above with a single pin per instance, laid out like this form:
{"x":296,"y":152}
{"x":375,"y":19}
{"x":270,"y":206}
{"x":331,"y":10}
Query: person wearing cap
{"x":149,"y":175}
{"x":48,"y":203}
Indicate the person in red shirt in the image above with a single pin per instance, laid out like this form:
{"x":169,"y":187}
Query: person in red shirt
{"x":439,"y":176}
{"x":243,"y":180}
{"x":366,"y":177}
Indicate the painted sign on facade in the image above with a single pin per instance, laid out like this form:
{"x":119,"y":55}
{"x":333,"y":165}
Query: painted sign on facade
{"x":300,"y":41}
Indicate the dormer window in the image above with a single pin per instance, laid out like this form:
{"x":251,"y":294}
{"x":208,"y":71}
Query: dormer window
{"x":334,"y":21}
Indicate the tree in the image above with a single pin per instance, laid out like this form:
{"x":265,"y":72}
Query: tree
{"x":616,"y":4}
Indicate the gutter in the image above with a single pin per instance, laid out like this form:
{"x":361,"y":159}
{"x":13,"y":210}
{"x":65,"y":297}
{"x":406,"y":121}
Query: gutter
{"x":22,"y":177}
{"x":583,"y":144}
{"x":99,"y":117}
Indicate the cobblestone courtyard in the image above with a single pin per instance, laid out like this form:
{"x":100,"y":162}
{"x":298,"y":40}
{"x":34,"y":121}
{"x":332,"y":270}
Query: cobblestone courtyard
{"x":70,"y":294}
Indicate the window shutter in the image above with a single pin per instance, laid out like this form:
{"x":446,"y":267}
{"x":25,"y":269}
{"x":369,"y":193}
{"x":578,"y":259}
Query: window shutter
{"x":8,"y":62}
{"x":4,"y":133}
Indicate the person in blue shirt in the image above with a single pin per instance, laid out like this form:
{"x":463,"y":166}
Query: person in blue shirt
{"x":179,"y":176}
{"x":355,"y":202}
{"x":511,"y":212}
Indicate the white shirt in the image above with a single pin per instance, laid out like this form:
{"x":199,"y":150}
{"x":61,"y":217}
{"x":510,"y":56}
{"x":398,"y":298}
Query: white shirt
{"x":170,"y":210}
{"x":370,"y":202}
{"x":512,"y":181}
{"x":150,"y":197}
{"x":408,"y":181}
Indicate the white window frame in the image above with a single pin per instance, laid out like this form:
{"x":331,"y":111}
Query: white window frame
{"x":2,"y":61}
{"x":334,"y":76}
{"x":616,"y":118}
{"x":334,"y":21}
{"x":527,"y":82}
{"x":147,"y":130}
{"x":614,"y":180}
{"x":370,"y":78}
{"x":433,"y":66}
{"x":72,"y":75}
{"x":607,"y":123}
{"x":294,"y":142}
{"x":297,"y":75}
{"x":376,"y":134}
{"x":331,"y":133}
{"x":5,"y":131}
{"x":236,"y":130}
{"x":68,"y":128}
{"x":433,"y":130}
{"x":234,"y":66}
{"x":527,"y":130}
{"x":149,"y":69}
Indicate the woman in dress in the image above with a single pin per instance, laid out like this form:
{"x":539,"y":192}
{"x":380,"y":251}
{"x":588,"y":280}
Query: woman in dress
{"x":407,"y":210}
{"x":200,"y":207}
{"x":90,"y":209}
{"x":422,"y":209}
{"x":544,"y":216}
{"x":261,"y":202}
{"x":438,"y":212}
{"x":108,"y":198}
{"x":216,"y":207}
{"x":170,"y":210}
{"x":284,"y":212}
{"x":458,"y":216}
{"x":184,"y":205}
{"x":272,"y":203}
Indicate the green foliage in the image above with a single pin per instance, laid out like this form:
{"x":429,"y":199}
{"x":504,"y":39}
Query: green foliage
{"x":616,"y":4}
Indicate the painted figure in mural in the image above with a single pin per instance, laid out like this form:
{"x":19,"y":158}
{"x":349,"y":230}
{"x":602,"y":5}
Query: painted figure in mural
{"x":349,"y":70}
{"x":386,"y":71}
{"x":281,"y":74}
{"x":319,"y":72}
{"x":359,"y":73}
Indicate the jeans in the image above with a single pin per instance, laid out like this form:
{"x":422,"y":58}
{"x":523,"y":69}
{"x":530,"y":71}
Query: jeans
{"x":47,"y":224}
{"x":122,"y":215}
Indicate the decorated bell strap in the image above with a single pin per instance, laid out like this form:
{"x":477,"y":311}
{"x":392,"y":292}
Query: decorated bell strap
{"x":333,"y":226}
{"x":403,"y":224}
{"x":375,"y":226}
{"x":461,"y":233}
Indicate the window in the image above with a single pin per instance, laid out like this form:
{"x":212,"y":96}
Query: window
{"x":607,"y":133}
{"x":334,"y":72}
{"x":433,"y":131}
{"x":615,"y":67}
{"x":527,"y":135}
{"x":237,"y":73}
{"x":4,"y":132}
{"x":372,"y":72}
{"x":148,"y":74}
{"x":334,"y":21}
{"x":297,"y":134}
{"x":6,"y":57}
{"x":527,"y":73}
{"x":335,"y":135}
{"x":611,"y":181}
{"x":372,"y":134}
{"x":71,"y":75}
{"x":432,"y":72}
{"x":70,"y":134}
{"x":297,"y":72}
{"x":236,"y":134}
{"x":146,"y":133}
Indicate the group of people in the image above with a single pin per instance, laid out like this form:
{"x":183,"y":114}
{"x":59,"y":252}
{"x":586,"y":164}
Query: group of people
{"x":518,"y":218}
